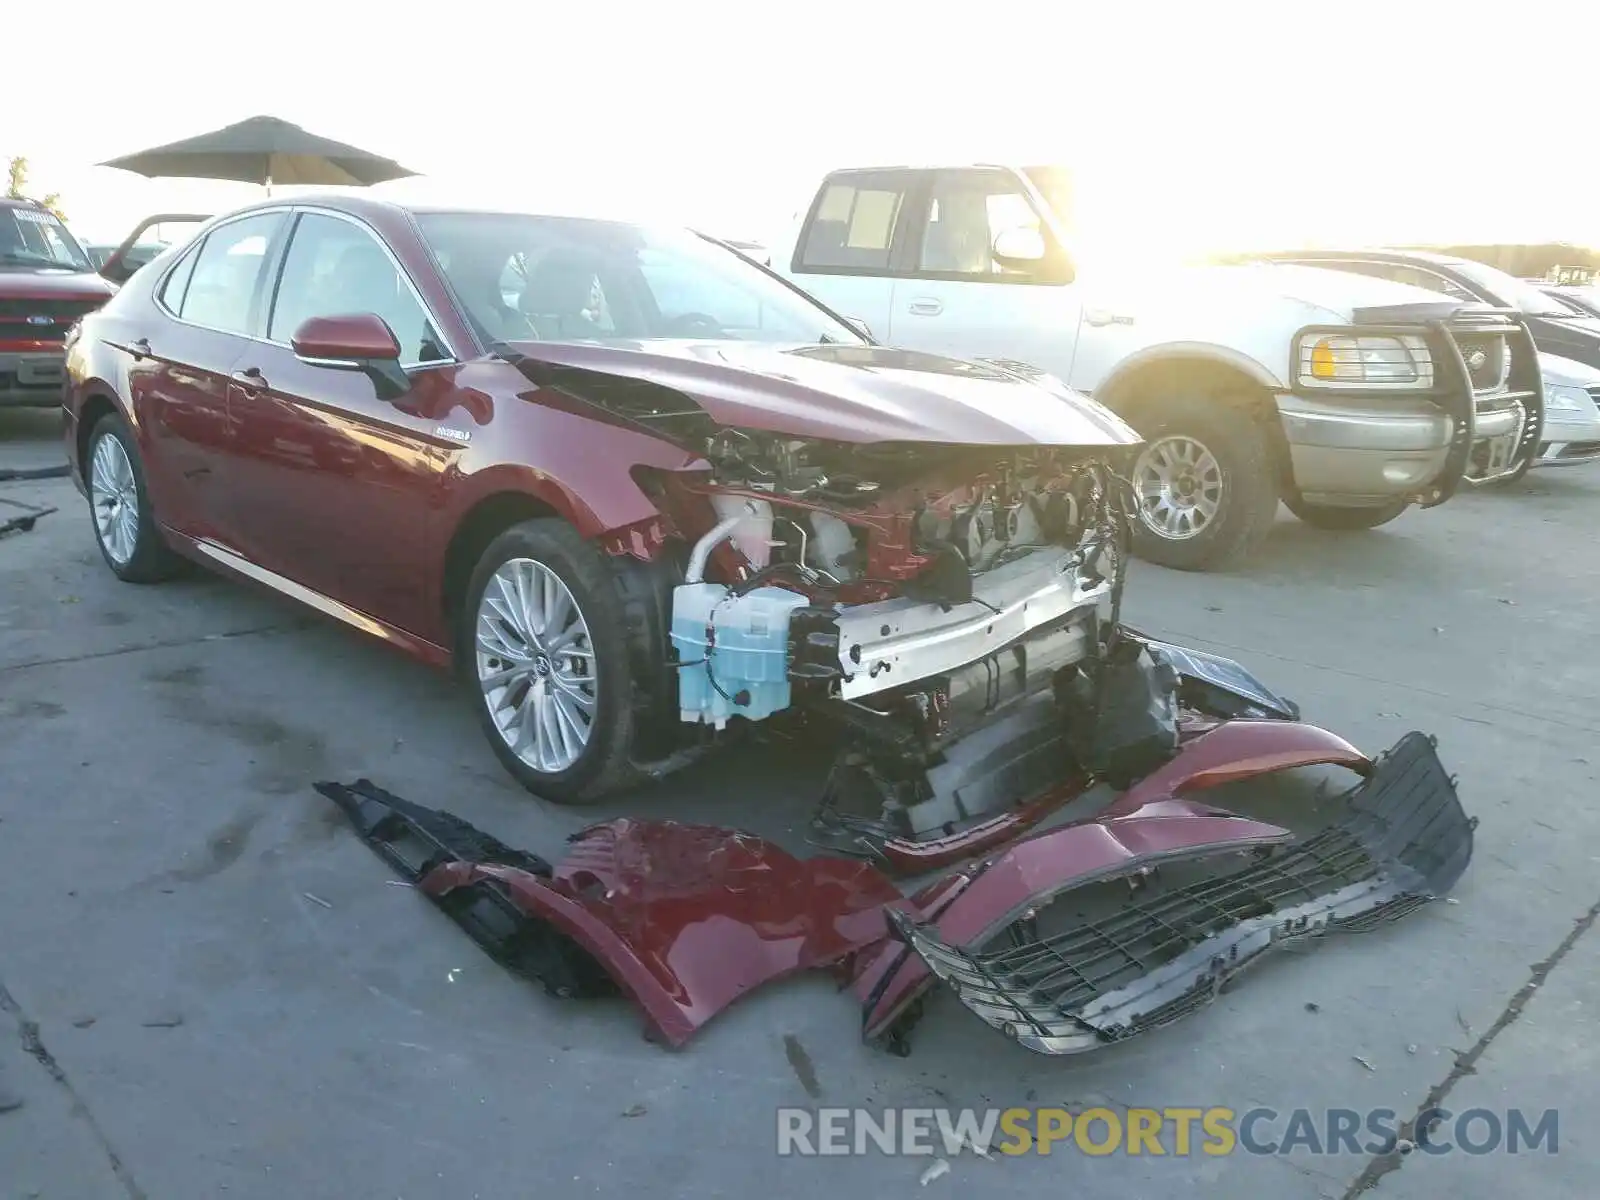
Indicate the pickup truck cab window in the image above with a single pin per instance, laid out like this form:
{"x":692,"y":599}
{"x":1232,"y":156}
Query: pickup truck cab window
{"x":966,"y":212}
{"x":853,"y":224}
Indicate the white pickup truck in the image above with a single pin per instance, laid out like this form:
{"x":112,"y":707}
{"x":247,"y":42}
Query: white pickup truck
{"x":1349,"y":398}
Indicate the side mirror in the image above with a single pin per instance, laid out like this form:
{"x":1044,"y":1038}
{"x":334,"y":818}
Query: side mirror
{"x":1019,"y":249}
{"x":358,"y":342}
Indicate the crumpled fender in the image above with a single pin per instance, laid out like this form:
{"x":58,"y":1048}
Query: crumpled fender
{"x":688,"y":918}
{"x":973,"y":906}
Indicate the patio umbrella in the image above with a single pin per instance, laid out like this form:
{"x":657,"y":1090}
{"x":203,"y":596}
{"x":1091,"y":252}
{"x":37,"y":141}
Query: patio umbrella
{"x":263,"y":150}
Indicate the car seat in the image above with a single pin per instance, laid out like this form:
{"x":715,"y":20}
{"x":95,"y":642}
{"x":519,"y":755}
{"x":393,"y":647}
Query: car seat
{"x":558,"y":296}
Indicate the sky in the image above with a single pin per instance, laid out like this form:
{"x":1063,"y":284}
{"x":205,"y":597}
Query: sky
{"x":1190,"y":127}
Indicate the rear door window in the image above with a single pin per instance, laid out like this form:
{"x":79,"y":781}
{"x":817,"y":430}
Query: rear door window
{"x":177,"y":283}
{"x":222,"y":288}
{"x":854,"y":223}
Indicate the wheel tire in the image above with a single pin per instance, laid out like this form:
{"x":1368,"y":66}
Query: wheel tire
{"x":149,"y":559}
{"x":1244,"y":457}
{"x":605,"y":763}
{"x":1328,"y":516}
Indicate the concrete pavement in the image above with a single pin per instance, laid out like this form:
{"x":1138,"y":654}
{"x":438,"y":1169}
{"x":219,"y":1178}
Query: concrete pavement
{"x":210,"y":989}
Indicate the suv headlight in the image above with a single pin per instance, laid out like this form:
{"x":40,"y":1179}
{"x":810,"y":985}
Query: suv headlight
{"x":1352,"y":360}
{"x":1561,"y":397}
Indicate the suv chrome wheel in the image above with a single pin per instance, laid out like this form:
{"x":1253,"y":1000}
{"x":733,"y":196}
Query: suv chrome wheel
{"x":536,"y":665}
{"x":1179,"y":484}
{"x":114,"y":495}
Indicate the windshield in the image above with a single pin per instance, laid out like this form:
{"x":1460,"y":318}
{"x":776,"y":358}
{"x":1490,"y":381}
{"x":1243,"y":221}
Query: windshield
{"x":1508,"y":289}
{"x":33,"y":237}
{"x":575,"y":279}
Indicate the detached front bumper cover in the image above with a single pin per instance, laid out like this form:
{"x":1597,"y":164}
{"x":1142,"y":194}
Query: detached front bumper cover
{"x":685,"y":919}
{"x":1404,"y":840}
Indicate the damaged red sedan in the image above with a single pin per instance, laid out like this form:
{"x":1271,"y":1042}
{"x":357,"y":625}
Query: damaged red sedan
{"x":630,"y":483}
{"x":633,"y":486}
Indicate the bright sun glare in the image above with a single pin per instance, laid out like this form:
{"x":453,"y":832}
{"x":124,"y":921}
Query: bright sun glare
{"x":1187,"y":130}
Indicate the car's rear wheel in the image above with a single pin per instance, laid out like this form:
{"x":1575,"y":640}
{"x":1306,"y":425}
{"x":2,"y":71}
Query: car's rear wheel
{"x":1328,"y":516}
{"x":542,"y":643}
{"x":1205,"y":484}
{"x":125,"y":526}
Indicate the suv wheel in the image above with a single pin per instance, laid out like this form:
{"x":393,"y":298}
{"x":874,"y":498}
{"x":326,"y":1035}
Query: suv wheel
{"x":124,"y":523}
{"x":1205,"y":484}
{"x":543,"y":646}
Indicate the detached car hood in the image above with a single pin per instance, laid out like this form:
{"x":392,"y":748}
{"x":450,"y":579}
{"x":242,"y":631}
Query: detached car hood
{"x":837,"y":392}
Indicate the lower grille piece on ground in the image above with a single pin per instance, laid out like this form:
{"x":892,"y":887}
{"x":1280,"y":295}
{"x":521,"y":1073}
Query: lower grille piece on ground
{"x":1403,"y":840}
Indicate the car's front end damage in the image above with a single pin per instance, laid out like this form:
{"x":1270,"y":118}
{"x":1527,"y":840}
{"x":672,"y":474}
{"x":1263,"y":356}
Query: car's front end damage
{"x":944,"y":614}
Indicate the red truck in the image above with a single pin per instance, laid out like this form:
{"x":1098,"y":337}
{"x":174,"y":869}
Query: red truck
{"x":48,"y":281}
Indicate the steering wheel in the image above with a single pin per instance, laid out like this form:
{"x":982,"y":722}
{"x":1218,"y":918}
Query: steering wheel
{"x":693,"y":324}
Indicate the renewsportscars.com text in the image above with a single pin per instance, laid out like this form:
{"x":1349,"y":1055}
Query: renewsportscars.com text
{"x":1163,"y":1131}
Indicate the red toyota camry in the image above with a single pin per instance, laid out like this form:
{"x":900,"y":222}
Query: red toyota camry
{"x":629,"y":482}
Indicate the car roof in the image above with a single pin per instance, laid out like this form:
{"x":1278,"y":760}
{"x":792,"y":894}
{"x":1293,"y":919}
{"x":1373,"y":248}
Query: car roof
{"x":1371,"y":253}
{"x":925,"y":166}
{"x":379,"y":208}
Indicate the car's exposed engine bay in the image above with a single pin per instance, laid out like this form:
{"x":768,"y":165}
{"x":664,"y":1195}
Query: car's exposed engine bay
{"x":951,"y":611}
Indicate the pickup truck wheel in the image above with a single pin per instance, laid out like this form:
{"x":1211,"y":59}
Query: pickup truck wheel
{"x":543,"y":637}
{"x":1205,"y":484}
{"x":1327,"y":516}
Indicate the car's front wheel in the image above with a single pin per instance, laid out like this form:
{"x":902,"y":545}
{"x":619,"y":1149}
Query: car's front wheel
{"x":544,"y":652}
{"x":125,"y":526}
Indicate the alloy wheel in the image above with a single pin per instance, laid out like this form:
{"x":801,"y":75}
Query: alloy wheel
{"x":1179,"y":485}
{"x":114,"y":497}
{"x":536,"y":665}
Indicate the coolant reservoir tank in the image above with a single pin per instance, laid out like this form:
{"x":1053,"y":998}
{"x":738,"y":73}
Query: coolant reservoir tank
{"x":752,"y":537}
{"x":831,"y":543}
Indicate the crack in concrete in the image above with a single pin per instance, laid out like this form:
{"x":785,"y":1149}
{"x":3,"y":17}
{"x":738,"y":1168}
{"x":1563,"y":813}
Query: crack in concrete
{"x":1467,"y":1062}
{"x":160,"y":644}
{"x":28,"y":1034}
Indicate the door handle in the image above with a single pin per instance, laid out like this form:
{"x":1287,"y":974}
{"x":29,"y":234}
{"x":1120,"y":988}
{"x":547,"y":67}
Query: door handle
{"x":926,"y":308}
{"x":1104,"y":316}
